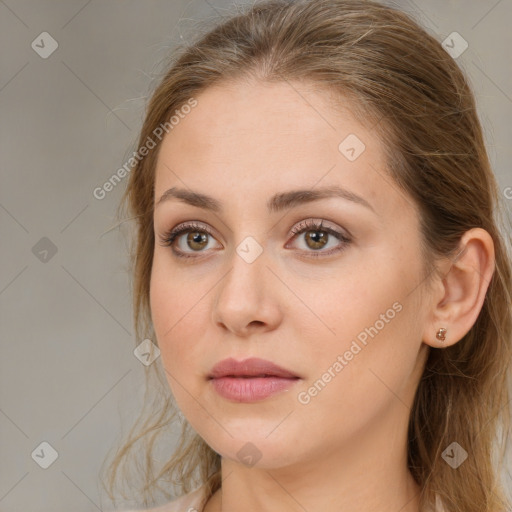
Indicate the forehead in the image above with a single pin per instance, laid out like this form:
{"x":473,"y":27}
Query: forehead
{"x":286,"y":117}
{"x":259,"y":138}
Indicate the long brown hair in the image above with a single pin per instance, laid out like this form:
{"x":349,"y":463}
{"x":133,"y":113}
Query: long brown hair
{"x":402,"y":84}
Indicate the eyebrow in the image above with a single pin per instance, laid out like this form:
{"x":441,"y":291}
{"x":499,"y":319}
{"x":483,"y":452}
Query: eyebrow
{"x":278,"y":202}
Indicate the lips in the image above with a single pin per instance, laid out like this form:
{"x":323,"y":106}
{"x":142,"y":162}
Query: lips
{"x":251,"y":380}
{"x":249,"y":368}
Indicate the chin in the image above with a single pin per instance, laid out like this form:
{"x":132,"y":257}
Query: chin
{"x":253,"y":446}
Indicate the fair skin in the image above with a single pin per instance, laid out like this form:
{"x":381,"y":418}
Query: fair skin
{"x":345,"y":450}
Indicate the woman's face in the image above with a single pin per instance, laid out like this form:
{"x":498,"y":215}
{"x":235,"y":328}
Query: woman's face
{"x":338,"y":306}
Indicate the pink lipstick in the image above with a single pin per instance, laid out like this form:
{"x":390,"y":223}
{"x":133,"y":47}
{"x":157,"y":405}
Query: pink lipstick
{"x":250,"y":380}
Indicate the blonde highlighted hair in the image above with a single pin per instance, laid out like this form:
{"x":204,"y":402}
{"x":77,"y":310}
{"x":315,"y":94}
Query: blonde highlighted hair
{"x":401,"y":83}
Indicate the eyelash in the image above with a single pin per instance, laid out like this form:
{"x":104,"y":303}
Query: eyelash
{"x":168,"y":238}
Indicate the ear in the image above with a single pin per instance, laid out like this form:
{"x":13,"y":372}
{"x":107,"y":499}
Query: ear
{"x":459,"y":295}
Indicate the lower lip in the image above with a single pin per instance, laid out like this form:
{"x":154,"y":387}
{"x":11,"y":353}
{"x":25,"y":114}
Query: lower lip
{"x":241,"y":389}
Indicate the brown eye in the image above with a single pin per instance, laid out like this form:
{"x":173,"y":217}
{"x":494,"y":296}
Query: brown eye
{"x":316,"y":239}
{"x":197,"y":240}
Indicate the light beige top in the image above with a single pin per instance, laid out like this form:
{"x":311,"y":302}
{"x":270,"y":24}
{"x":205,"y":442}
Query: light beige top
{"x":191,"y":502}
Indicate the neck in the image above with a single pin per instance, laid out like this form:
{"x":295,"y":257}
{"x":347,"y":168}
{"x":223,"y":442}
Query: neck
{"x":369,"y":473}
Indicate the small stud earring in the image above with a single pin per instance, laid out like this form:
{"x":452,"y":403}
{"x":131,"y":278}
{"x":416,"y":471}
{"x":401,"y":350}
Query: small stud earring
{"x":441,"y":334}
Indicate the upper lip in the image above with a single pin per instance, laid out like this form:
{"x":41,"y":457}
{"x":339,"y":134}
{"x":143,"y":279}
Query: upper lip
{"x":252,"y":367}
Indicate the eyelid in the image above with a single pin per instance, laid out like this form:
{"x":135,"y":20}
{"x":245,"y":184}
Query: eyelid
{"x":318,"y":224}
{"x":315,"y":224}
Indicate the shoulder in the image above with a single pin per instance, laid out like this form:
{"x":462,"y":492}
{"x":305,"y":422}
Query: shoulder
{"x":191,"y":502}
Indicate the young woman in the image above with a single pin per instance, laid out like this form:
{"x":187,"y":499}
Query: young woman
{"x":319,"y":259}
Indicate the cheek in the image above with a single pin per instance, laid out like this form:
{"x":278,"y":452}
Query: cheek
{"x":167,"y":301}
{"x":178,"y":315}
{"x":368,"y":318}
{"x":175,"y":343}
{"x":170,"y":295}
{"x":352,"y":384}
{"x":162,"y":301}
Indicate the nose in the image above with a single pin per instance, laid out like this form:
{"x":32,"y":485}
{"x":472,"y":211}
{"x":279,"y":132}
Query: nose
{"x":247,"y":297}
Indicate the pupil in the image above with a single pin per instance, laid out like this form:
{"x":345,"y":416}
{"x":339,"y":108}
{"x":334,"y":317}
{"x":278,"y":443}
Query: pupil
{"x":319,"y":238}
{"x":197,"y":239}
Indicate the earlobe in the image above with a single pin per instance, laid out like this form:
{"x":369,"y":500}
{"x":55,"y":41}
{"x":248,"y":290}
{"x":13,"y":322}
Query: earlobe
{"x":441,"y":334}
{"x":463,"y":289}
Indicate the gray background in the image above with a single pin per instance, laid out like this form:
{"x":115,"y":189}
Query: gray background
{"x":68,"y":375}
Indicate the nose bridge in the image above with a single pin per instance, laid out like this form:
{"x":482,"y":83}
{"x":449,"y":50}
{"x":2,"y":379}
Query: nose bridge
{"x":246,"y":277}
{"x":243,"y":294}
